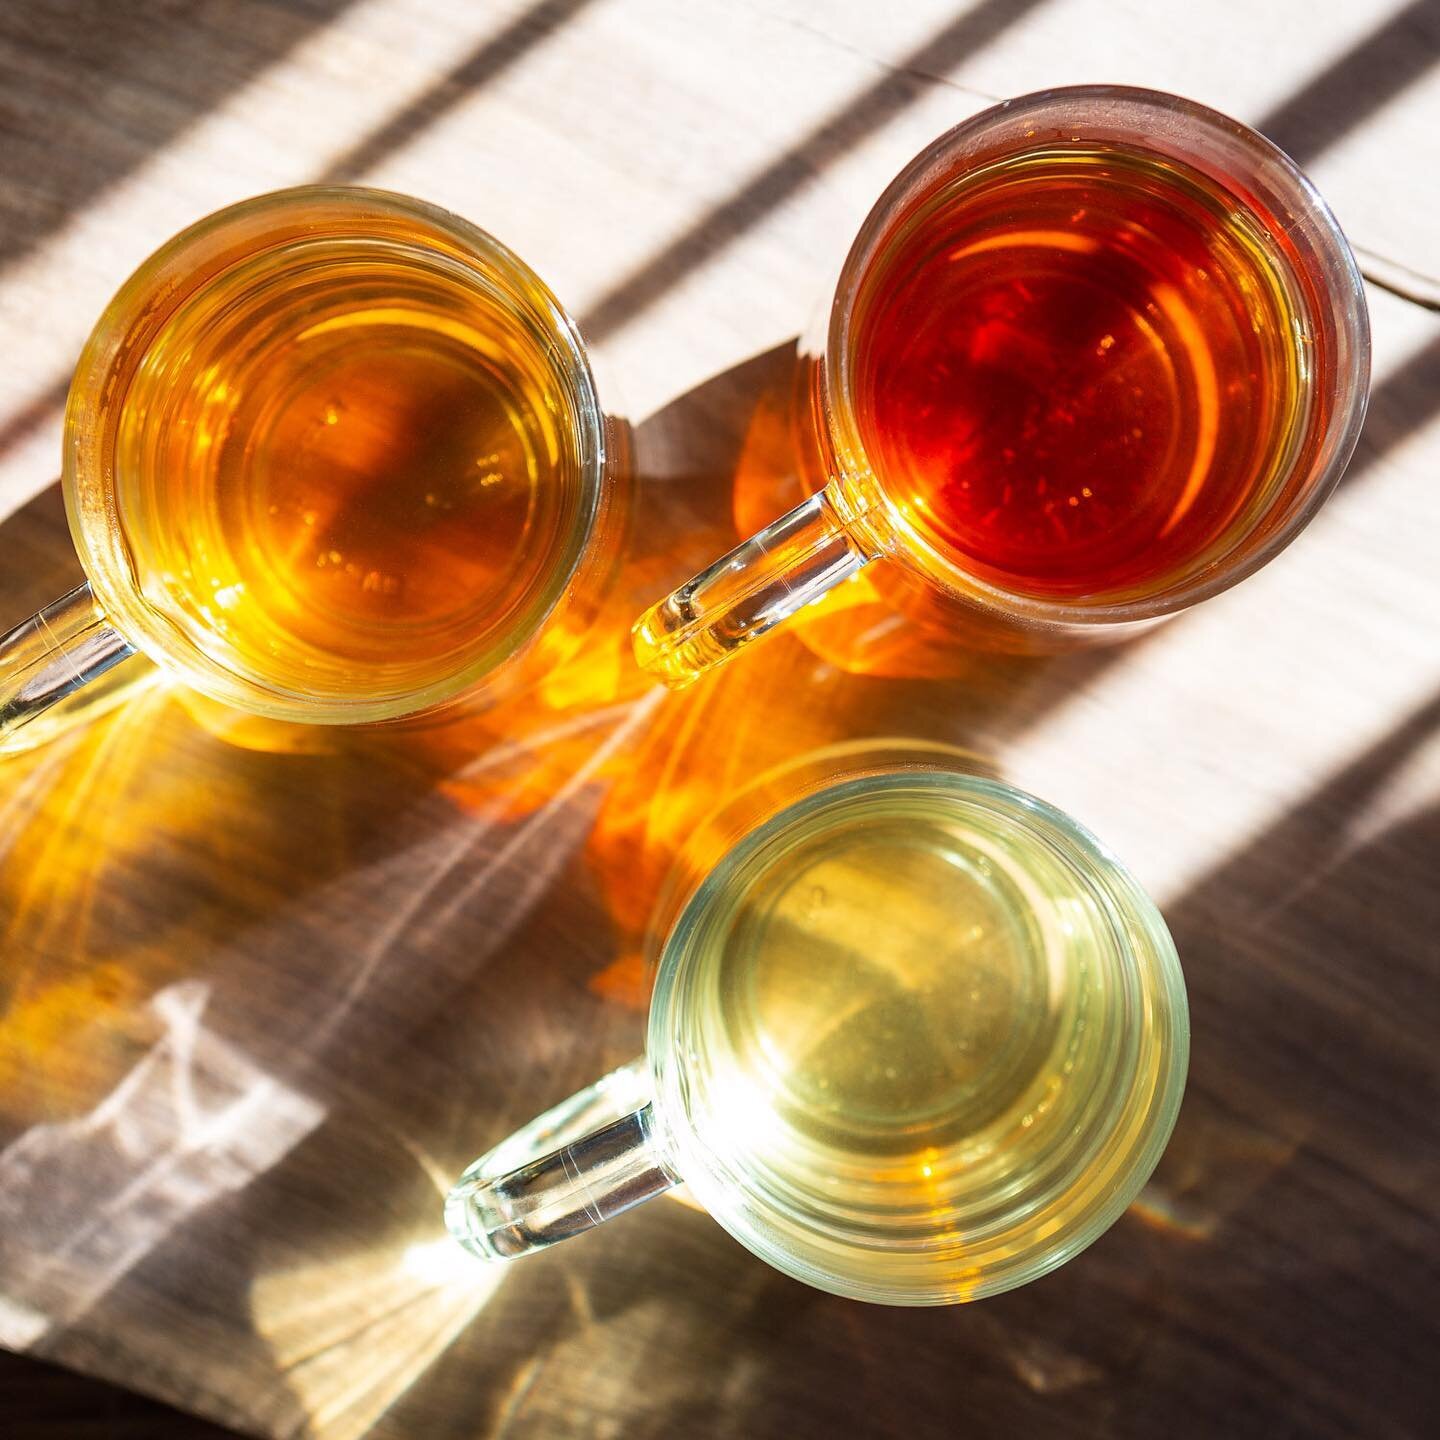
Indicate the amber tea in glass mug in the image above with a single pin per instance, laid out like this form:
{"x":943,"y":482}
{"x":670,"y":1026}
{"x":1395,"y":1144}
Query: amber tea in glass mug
{"x":1096,"y":355}
{"x":331,"y":455}
{"x":916,"y":1037}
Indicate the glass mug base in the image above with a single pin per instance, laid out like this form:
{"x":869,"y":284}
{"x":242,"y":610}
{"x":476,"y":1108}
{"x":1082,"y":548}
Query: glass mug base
{"x":331,"y":456}
{"x":916,"y":1038}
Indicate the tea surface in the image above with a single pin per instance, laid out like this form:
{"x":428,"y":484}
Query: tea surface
{"x":346,"y":467}
{"x":896,"y":1016}
{"x":1077,"y":370}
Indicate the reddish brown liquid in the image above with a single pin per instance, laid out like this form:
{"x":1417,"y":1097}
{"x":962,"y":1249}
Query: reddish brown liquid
{"x":1076,"y":372}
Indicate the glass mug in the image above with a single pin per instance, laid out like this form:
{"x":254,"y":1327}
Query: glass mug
{"x":1096,"y":355}
{"x":916,"y":1038}
{"x":331,"y":455}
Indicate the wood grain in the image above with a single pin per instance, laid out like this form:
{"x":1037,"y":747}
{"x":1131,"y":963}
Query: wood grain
{"x":265,"y":991}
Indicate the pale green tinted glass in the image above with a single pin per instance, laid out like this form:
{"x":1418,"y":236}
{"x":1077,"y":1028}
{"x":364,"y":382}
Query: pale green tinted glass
{"x":918,"y":1039}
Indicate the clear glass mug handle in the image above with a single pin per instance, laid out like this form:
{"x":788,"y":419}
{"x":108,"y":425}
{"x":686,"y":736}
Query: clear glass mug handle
{"x":589,"y":1159}
{"x":789,"y":564}
{"x":48,"y":657}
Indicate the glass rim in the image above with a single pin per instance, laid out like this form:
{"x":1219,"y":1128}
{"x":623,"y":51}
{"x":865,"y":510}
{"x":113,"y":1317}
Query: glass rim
{"x":89,"y":490}
{"x":1101,"y":870}
{"x":1343,"y":297}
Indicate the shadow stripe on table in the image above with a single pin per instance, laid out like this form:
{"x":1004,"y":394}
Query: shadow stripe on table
{"x":485,"y":63}
{"x":1403,"y":403}
{"x":724,"y":223}
{"x":1393,"y":57}
{"x":20,"y":426}
{"x":92,"y":91}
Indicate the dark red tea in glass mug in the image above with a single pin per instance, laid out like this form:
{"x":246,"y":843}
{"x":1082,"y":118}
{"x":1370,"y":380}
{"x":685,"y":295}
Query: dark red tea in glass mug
{"x":1096,"y":355}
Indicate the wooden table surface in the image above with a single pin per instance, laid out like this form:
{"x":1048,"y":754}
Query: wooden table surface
{"x":265,"y":991}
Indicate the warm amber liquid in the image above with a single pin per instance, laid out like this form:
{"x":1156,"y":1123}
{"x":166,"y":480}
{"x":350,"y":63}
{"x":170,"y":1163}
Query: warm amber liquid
{"x":345,"y":468}
{"x":1078,"y":372}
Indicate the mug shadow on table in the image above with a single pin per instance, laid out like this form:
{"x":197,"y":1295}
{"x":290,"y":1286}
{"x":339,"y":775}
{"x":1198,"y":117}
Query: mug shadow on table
{"x":273,"y":987}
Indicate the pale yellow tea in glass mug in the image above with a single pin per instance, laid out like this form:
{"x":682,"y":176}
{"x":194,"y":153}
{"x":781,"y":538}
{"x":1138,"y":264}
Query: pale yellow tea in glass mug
{"x":916,"y":1037}
{"x":331,"y":455}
